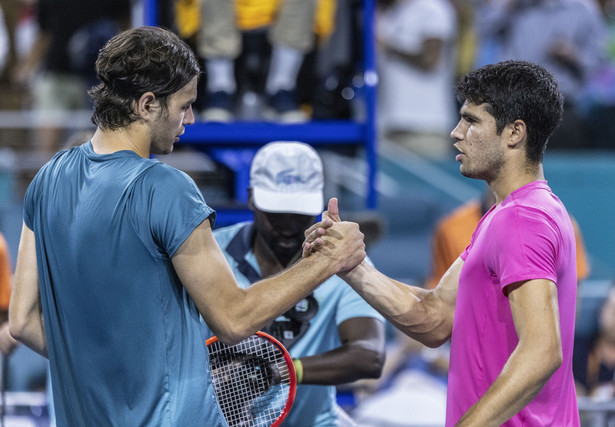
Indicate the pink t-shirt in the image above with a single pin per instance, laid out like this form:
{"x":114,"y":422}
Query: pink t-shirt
{"x":527,"y":236}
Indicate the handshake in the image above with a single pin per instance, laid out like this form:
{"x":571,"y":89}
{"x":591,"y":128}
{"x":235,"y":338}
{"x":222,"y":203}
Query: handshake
{"x":341,"y":242}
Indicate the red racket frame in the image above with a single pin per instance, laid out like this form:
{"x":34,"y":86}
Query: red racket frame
{"x":291,"y":371}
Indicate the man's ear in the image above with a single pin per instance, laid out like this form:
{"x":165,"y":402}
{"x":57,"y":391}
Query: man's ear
{"x":148,"y":106}
{"x":517,"y":133}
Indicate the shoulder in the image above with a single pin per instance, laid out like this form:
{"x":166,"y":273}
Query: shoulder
{"x":162,"y":172}
{"x":169,"y":193}
{"x":526,"y":228}
{"x":49,"y":170}
{"x":520,"y":217}
{"x":58,"y":159}
{"x":167,"y":179}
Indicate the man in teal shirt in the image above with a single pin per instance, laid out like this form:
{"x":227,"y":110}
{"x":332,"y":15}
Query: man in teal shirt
{"x":117,"y":261}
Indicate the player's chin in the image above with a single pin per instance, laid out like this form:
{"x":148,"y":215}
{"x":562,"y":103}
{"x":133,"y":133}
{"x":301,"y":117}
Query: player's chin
{"x":466,"y":171}
{"x":163,"y":150}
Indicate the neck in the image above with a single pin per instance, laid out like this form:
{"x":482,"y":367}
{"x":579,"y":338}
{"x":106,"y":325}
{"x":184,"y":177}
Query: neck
{"x":506,"y":183}
{"x":129,"y":138}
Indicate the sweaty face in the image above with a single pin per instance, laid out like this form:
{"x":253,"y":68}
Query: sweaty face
{"x":171,"y":122}
{"x":282,"y":232}
{"x":481,"y":148}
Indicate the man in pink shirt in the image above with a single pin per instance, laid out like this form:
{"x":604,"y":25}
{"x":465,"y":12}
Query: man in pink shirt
{"x":508,"y":302}
{"x":527,"y":237}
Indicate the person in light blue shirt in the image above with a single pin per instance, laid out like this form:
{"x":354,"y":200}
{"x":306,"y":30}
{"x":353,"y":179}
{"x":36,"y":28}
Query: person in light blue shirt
{"x":117,"y":262}
{"x":333,"y":335}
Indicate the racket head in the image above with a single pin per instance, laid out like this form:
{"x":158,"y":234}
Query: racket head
{"x":255,"y":380}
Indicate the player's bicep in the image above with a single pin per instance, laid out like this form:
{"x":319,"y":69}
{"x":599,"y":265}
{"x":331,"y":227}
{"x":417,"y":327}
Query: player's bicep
{"x":25,"y":294}
{"x":535,"y":312}
{"x":446,"y":291}
{"x":206,"y":275}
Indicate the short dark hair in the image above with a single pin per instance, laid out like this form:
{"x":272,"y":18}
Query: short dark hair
{"x":139,"y":60}
{"x":517,"y":90}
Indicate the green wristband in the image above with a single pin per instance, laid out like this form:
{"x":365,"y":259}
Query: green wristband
{"x":298,"y":370}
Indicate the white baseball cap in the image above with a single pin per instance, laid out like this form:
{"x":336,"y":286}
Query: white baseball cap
{"x":287,"y":177}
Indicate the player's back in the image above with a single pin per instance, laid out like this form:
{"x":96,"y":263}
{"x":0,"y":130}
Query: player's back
{"x":121,"y":329}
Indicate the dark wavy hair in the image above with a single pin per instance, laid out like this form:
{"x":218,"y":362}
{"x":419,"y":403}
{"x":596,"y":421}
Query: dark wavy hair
{"x":516,"y":90}
{"x":139,"y":60}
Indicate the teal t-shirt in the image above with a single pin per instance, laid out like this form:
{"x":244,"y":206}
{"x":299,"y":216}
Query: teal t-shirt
{"x":124,"y":338}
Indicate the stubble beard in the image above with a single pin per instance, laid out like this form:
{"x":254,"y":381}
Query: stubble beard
{"x":492,"y":165}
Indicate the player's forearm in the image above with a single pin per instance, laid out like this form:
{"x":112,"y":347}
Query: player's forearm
{"x":26,"y":322}
{"x":25,"y":310}
{"x":28,"y":328}
{"x":267,"y":299}
{"x":7,"y":342}
{"x":415,"y":311}
{"x":527,"y":371}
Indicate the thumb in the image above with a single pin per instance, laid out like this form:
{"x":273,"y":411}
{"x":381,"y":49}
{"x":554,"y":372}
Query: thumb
{"x":333,"y":211}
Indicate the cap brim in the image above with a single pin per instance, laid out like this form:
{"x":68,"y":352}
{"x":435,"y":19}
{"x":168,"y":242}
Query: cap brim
{"x":298,"y":203}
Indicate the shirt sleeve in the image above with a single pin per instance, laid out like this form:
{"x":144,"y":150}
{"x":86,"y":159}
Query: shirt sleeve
{"x":523,"y":246}
{"x":31,"y":198}
{"x":27,"y":206}
{"x":176,"y":207}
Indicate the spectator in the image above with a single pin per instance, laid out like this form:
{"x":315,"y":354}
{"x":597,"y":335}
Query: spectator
{"x":567,"y":37}
{"x":599,"y":380}
{"x":60,"y":65}
{"x":416,"y":41}
{"x":334,"y":336}
{"x":291,"y":36}
{"x":598,"y":99}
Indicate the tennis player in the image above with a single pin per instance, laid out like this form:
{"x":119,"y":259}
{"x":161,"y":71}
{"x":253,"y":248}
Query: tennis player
{"x":334,"y":336}
{"x":117,"y":258}
{"x":508,"y":302}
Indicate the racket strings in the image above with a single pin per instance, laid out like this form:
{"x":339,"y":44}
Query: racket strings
{"x":252,"y":381}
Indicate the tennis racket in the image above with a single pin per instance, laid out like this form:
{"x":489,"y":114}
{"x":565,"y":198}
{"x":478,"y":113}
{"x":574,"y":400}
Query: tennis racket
{"x":254,"y":380}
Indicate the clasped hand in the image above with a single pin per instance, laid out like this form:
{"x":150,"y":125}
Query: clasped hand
{"x":342,"y":241}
